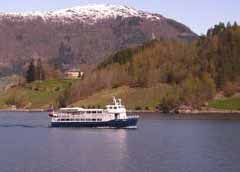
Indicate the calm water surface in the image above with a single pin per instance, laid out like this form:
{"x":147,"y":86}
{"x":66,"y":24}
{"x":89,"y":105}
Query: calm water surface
{"x":27,"y":144}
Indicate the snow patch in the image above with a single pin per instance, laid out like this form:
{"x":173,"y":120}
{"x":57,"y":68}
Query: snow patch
{"x":88,"y":13}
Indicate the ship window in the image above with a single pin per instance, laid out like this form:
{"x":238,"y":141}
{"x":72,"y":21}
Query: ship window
{"x":99,"y":119}
{"x":93,"y":119}
{"x":94,"y":112}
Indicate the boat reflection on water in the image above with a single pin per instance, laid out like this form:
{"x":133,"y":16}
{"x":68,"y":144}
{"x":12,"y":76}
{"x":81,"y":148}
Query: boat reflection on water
{"x":105,"y":146}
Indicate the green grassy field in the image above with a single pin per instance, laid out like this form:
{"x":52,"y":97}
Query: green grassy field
{"x":39,"y":94}
{"x":226,"y":104}
{"x":42,"y":94}
{"x":133,"y":98}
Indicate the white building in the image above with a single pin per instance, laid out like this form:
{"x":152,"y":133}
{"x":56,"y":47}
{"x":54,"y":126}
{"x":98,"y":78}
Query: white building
{"x":74,"y":74}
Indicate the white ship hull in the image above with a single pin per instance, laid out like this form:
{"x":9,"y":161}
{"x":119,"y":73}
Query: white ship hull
{"x":114,"y":116}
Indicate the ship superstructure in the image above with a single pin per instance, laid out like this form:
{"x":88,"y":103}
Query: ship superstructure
{"x":113,"y":116}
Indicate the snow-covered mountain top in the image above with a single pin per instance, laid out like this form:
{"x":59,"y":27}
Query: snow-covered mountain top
{"x":87,"y":13}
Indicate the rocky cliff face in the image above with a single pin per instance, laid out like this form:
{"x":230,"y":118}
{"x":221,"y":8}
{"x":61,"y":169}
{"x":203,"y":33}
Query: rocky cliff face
{"x":77,"y":35}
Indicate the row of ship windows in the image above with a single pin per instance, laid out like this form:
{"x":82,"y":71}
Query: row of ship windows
{"x":88,"y":112}
{"x":79,"y":119}
{"x":115,"y":107}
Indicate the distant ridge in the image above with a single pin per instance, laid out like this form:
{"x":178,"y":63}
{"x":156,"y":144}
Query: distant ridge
{"x":88,"y":13}
{"x":82,"y":34}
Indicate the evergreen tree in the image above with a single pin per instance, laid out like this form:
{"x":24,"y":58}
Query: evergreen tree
{"x":40,"y":74}
{"x":30,"y":77}
{"x":229,"y":25}
{"x":235,"y":25}
{"x":219,"y":28}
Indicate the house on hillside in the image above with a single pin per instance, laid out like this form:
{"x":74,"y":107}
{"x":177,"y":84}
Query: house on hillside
{"x":74,"y":74}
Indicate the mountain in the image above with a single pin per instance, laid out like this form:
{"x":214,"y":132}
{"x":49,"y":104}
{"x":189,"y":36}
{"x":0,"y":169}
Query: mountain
{"x":85,"y":34}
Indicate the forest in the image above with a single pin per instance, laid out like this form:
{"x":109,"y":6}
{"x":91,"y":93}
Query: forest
{"x":190,"y":73}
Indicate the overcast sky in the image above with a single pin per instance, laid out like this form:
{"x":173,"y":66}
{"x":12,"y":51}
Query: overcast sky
{"x":199,"y":15}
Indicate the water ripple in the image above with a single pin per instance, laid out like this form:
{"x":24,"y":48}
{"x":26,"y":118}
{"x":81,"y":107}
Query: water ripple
{"x":21,"y":126}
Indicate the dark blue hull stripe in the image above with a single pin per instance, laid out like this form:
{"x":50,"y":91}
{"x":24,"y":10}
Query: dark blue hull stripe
{"x":112,"y":124}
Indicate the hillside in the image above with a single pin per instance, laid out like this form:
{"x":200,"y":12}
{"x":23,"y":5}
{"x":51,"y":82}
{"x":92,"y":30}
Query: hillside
{"x":191,"y":73}
{"x":163,"y":74}
{"x":39,"y":94}
{"x":133,"y":98}
{"x":80,"y":35}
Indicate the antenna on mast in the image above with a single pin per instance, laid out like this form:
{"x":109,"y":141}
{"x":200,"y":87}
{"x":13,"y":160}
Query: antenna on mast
{"x":114,"y":100}
{"x":120,"y":101}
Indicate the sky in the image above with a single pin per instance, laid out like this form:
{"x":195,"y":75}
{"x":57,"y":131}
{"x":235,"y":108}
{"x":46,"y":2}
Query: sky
{"x":199,"y":15}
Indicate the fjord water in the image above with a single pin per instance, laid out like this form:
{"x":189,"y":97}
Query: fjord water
{"x":27,"y":144}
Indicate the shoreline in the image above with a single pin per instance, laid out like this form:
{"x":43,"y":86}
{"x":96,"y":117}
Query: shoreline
{"x":199,"y":115}
{"x":193,"y":115}
{"x":23,"y":110}
{"x":194,"y":112}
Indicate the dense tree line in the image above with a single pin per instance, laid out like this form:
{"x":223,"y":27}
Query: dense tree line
{"x":219,"y":53}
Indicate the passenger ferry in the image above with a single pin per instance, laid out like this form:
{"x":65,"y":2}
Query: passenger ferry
{"x":114,"y":116}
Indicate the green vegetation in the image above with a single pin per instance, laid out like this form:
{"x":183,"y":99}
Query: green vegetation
{"x":226,"y":104}
{"x":164,"y":74}
{"x":121,"y":57}
{"x":193,"y":72}
{"x":124,"y":56}
{"x":38,"y":94}
{"x":132,"y":97}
